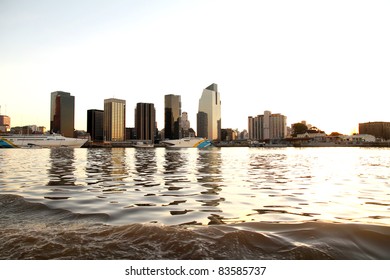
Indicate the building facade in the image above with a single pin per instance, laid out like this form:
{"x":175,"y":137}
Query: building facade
{"x":185,"y":125}
{"x":114,"y":120}
{"x":209,"y":114}
{"x":145,"y":121}
{"x":380,"y":130}
{"x":228,"y":134}
{"x":267,"y":126}
{"x":95,"y":124}
{"x":172,"y":116}
{"x":62,"y":113}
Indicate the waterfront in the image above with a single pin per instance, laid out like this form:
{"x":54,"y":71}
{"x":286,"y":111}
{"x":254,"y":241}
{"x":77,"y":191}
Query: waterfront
{"x":219,"y":203}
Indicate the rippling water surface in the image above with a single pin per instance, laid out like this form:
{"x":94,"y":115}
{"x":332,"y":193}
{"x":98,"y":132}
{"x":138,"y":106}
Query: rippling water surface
{"x":217,"y":203}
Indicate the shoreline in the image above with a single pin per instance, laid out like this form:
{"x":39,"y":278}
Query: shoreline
{"x":247,"y":145}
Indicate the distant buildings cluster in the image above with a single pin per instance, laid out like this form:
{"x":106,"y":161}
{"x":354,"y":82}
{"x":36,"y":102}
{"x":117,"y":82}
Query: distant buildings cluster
{"x":110,"y":124}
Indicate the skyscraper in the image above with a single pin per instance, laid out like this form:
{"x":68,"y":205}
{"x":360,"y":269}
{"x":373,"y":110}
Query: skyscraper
{"x":209,"y":113}
{"x":114,"y":122}
{"x":172,"y":116}
{"x":145,"y":121}
{"x":202,"y":124}
{"x":62,"y":113}
{"x":95,"y":124}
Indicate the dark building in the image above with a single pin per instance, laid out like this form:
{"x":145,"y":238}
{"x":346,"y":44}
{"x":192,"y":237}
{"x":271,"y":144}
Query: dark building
{"x":145,"y":121}
{"x":172,"y":116}
{"x":378,"y":129}
{"x":202,"y":124}
{"x":62,"y":113}
{"x":95,"y":124}
{"x":228,"y":134}
{"x":131,"y":133}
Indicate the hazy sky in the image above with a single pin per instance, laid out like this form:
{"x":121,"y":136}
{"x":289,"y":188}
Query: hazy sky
{"x":327,"y":62}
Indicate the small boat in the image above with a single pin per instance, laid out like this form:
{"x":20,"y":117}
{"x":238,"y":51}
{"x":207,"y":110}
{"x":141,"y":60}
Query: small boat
{"x":189,"y":142}
{"x":39,"y":141}
{"x":143,"y":144}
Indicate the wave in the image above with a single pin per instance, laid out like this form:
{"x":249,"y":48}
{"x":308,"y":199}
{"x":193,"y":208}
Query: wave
{"x":34,"y":231}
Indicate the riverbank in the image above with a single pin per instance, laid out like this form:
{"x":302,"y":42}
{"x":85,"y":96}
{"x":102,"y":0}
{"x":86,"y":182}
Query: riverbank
{"x":129,"y":144}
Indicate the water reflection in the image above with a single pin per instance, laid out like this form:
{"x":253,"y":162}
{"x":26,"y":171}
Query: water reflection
{"x":210,"y":176}
{"x":61,"y":171}
{"x":61,"y":174}
{"x":175,"y":168}
{"x":205,"y":186}
{"x":209,"y":166}
{"x":146,"y":167}
{"x":97,"y":162}
{"x":107,"y":166}
{"x":271,"y":167}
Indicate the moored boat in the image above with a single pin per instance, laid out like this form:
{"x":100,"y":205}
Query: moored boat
{"x":143,"y":144}
{"x":190,"y":142}
{"x":39,"y":141}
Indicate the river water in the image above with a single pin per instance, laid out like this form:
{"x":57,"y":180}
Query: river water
{"x":218,"y":203}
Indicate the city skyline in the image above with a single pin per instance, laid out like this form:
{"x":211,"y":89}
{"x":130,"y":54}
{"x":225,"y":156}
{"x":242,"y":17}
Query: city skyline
{"x":326,"y":63}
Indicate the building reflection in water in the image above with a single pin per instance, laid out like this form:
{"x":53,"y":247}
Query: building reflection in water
{"x":62,"y":167}
{"x":210,"y":176}
{"x":106,"y":169}
{"x":145,"y":167}
{"x":175,"y":166}
{"x":61,"y":174}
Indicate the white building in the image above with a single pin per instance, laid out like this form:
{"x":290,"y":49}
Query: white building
{"x":267,"y":126}
{"x":209,"y":113}
{"x":359,"y":138}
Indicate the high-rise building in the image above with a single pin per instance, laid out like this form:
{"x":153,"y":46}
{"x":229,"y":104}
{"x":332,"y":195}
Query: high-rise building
{"x":378,"y":129}
{"x":145,"y":121}
{"x":62,"y":113}
{"x":251,"y":128}
{"x":267,"y":126}
{"x":114,"y":120}
{"x":5,"y":123}
{"x":185,"y":125}
{"x":278,"y":126}
{"x":172,"y":116}
{"x":209,"y":113}
{"x":95,"y":124}
{"x":202,"y":124}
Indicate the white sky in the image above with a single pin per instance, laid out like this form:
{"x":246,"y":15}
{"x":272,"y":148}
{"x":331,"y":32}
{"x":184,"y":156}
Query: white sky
{"x":327,"y":62}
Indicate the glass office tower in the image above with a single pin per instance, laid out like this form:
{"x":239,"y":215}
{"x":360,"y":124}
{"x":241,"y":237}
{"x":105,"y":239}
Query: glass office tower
{"x":62,"y":113}
{"x":114,"y":123}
